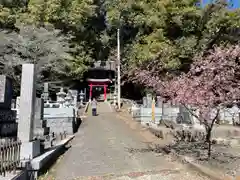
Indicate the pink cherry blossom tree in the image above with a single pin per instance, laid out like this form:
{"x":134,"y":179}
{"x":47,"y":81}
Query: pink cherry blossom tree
{"x":212,"y":83}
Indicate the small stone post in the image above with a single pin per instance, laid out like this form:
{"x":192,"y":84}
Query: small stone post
{"x":81,"y":98}
{"x":45,"y":92}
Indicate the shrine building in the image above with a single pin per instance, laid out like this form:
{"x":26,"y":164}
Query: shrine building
{"x":100,"y":79}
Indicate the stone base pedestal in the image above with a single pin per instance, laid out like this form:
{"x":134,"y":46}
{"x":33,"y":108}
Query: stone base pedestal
{"x":30,"y":150}
{"x":41,"y":132}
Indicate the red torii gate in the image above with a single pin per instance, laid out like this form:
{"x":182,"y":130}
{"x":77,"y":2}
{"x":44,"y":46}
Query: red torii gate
{"x":98,"y":82}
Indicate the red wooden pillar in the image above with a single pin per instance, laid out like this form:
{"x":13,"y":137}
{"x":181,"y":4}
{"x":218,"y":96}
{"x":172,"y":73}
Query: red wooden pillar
{"x":105,"y":92}
{"x":90,"y":92}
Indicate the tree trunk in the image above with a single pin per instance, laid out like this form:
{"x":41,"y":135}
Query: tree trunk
{"x":208,"y":140}
{"x":209,"y":133}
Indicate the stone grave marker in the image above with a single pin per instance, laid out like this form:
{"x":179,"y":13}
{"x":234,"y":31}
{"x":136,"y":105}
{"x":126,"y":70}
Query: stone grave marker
{"x":60,"y":119}
{"x":149,"y":100}
{"x":45,"y":92}
{"x":5,"y":92}
{"x":159,"y":101}
{"x":39,"y":108}
{"x":40,"y":128}
{"x":75,"y":96}
{"x":144,"y":101}
{"x":170,"y":113}
{"x":8,"y":125}
{"x":186,"y":116}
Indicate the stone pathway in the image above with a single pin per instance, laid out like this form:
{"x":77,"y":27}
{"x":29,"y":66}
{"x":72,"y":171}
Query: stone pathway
{"x":102,"y":149}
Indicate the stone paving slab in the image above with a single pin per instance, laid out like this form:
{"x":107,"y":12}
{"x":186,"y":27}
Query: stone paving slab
{"x":105,"y":145}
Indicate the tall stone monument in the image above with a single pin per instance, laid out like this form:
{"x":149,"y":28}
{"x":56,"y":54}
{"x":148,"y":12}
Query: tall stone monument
{"x":30,"y":148}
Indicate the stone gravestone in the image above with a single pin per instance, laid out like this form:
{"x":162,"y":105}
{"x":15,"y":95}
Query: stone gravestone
{"x":45,"y":92}
{"x":5,"y":92}
{"x":144,"y":101}
{"x":149,"y":100}
{"x":30,"y":148}
{"x":61,"y":97}
{"x":60,"y":120}
{"x":8,"y":125}
{"x":75,"y":96}
{"x":39,"y":109}
{"x":68,"y":100}
{"x":170,"y":113}
{"x":159,"y":101}
{"x":186,"y":116}
{"x":40,"y":128}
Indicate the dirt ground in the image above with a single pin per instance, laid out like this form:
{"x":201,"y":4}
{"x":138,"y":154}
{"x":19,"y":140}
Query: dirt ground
{"x":224,"y":159}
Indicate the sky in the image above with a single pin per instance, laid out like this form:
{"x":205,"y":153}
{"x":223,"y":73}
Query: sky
{"x":235,"y":3}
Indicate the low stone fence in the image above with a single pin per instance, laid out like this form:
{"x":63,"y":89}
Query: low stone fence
{"x":53,"y":138}
{"x":9,"y":156}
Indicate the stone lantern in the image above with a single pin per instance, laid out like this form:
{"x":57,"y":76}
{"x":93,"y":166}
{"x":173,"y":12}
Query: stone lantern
{"x":61,"y":97}
{"x":68,"y":100}
{"x":81,"y":97}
